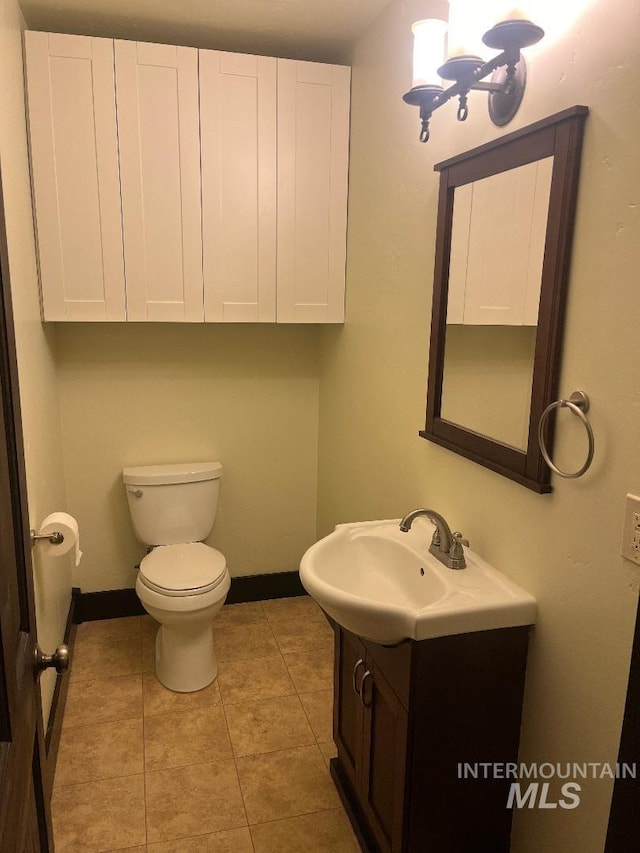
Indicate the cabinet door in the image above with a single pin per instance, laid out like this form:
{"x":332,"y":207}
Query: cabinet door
{"x":313,"y":150}
{"x":347,"y":706}
{"x":384,"y":757}
{"x":497,"y":247}
{"x":76,"y":184}
{"x":238,"y":138}
{"x":158,"y":127}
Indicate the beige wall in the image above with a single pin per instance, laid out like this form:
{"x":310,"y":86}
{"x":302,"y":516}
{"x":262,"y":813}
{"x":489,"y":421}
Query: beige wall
{"x":564,"y":548}
{"x":142,"y":394}
{"x":36,"y":367}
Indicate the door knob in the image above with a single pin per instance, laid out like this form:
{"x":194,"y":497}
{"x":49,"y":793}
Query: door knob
{"x":59,"y":659}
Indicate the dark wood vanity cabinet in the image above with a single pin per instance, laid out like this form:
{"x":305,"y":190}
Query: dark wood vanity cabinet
{"x":408,"y":718}
{"x":370,"y":731}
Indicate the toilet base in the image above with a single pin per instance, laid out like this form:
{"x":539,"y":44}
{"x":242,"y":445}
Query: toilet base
{"x":185,"y":662}
{"x":184,"y":655}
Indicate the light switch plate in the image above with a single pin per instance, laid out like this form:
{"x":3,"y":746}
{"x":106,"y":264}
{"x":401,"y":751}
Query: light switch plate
{"x":631,"y":533}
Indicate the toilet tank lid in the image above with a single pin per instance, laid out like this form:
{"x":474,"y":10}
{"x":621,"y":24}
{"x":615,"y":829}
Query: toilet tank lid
{"x":180,"y":472}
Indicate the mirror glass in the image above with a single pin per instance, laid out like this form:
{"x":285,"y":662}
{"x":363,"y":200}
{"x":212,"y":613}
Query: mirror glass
{"x":495,"y":275}
{"x":506,"y":212}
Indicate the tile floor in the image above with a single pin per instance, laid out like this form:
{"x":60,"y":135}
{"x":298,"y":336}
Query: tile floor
{"x":240,"y":767}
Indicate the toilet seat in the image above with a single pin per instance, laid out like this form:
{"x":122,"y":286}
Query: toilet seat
{"x":180,"y":570}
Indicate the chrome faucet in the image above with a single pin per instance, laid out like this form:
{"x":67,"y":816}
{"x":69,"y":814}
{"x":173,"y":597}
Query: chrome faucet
{"x":445,"y":545}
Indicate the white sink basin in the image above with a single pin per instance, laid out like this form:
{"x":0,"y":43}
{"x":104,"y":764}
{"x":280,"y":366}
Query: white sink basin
{"x":384,"y":585}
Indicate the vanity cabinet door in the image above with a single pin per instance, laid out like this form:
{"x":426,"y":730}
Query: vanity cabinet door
{"x":238,"y":137}
{"x":384,"y":754}
{"x":313,"y":154}
{"x":159,"y":138}
{"x":348,"y":709}
{"x":75,"y":176}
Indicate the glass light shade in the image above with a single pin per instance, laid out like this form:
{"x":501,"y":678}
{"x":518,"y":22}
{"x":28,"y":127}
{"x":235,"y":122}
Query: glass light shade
{"x":507,"y":10}
{"x":468,"y":21}
{"x":428,"y":51}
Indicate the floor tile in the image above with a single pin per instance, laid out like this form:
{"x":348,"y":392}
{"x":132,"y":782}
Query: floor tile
{"x":284,"y":784}
{"x":157,"y":699}
{"x":186,"y":737}
{"x":255,"y":678}
{"x":300,"y":634}
{"x":291,"y":608}
{"x":328,"y":750}
{"x":109,"y":630}
{"x":311,"y":672}
{"x":318,"y":707}
{"x":102,"y":751}
{"x":268,"y":725}
{"x":229,"y":841}
{"x":199,"y":799}
{"x":103,"y":700}
{"x":243,"y":642}
{"x":105,"y":659}
{"x":313,"y":833}
{"x":137,"y":849}
{"x":148,"y":626}
{"x":99,"y":816}
{"x":275,"y":680}
{"x":241,"y":614}
{"x":149,"y":652}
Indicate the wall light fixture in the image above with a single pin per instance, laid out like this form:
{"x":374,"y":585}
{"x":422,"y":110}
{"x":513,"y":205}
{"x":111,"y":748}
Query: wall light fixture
{"x":467,"y":71}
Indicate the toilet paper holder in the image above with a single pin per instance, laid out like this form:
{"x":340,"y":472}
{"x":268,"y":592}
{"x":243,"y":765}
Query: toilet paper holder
{"x":56,"y":538}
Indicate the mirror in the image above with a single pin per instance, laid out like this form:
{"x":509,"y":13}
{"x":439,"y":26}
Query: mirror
{"x":495,"y":274}
{"x":505,"y":224}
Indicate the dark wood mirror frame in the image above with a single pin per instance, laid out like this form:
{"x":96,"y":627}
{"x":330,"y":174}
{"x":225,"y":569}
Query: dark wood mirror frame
{"x":560,"y":137}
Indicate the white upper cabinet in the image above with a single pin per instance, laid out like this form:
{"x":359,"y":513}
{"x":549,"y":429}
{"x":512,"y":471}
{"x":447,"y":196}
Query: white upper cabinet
{"x":159,"y":135}
{"x":238,"y":134}
{"x":76,"y":186}
{"x":497,"y":247}
{"x":180,"y":185}
{"x":313,"y":157}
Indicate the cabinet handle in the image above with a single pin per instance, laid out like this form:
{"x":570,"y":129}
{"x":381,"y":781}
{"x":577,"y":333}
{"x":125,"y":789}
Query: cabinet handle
{"x":362,"y":683}
{"x":354,"y":679}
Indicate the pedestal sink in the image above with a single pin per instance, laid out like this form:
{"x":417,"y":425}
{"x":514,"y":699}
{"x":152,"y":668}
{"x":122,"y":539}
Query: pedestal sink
{"x":385,"y":586}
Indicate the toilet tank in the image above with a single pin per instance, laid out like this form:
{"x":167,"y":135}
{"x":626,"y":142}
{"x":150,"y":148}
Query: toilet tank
{"x":172,"y":504}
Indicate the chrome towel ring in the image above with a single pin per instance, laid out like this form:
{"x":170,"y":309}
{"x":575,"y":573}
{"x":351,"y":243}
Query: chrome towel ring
{"x":578,"y":404}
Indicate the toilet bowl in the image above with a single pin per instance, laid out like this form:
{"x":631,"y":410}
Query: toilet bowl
{"x":182,"y":583}
{"x":183,"y":587}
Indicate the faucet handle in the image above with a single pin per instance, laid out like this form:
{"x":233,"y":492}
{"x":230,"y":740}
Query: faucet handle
{"x":456,"y":552}
{"x":458,"y":537}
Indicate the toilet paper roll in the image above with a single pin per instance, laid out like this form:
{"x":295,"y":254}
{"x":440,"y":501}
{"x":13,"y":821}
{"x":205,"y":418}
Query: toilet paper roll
{"x":61,"y":522}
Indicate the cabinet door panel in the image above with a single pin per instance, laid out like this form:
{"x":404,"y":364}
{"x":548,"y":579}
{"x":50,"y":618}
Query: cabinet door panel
{"x":348,"y":709}
{"x":384,"y":762}
{"x":238,"y":127}
{"x":158,"y":126}
{"x":495,"y":269}
{"x":313,"y":147}
{"x":76,"y":184}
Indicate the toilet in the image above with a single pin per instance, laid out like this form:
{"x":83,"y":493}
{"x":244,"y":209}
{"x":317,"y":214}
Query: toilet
{"x":182,"y":582}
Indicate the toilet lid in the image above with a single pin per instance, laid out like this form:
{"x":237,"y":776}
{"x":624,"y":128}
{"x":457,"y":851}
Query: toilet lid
{"x":183,"y":569}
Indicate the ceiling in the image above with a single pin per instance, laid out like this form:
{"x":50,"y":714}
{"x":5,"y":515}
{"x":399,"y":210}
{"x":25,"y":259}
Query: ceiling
{"x":320,"y":30}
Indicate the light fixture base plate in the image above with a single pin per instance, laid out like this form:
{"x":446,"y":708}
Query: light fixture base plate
{"x":504,"y":105}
